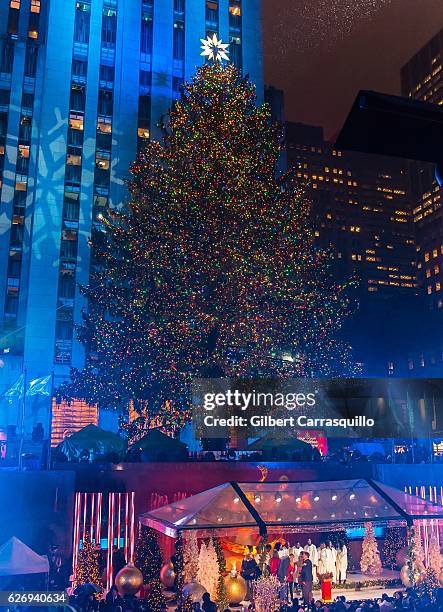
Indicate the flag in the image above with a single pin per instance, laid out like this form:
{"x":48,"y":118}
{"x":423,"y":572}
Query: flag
{"x":17,"y":390}
{"x":40,"y":386}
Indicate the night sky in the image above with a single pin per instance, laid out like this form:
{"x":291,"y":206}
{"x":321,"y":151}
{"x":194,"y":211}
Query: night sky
{"x":321,"y":52}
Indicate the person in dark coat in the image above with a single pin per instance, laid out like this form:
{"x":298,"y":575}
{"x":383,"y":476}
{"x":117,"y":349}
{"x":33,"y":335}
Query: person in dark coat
{"x":249,"y":571}
{"x":306,"y":578}
{"x":282,"y":575}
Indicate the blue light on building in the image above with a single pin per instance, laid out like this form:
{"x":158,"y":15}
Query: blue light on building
{"x":82,"y":86}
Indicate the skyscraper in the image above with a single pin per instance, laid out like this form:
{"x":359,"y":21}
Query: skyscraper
{"x":363,"y":213}
{"x":362,"y":208}
{"x":82,"y":86}
{"x":422,"y":79}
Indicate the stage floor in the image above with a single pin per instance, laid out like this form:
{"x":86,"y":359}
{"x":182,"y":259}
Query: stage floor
{"x":351,"y":592}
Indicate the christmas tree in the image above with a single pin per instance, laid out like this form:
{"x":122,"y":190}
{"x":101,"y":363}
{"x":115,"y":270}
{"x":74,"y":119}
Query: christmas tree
{"x":434,"y":556}
{"x":370,"y":558}
{"x":212,"y":268}
{"x":148,"y":559}
{"x":222,"y":594}
{"x":394,"y":541}
{"x":208,"y":571}
{"x":88,"y":570}
{"x":190,"y":557}
{"x":417,"y":552}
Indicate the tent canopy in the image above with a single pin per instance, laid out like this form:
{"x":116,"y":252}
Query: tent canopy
{"x":155,"y":440}
{"x":16,"y":558}
{"x":263,"y":505}
{"x":92,"y":438}
{"x":269,"y":442}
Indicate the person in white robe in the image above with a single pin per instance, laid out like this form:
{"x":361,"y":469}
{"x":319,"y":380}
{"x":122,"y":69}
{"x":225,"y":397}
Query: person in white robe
{"x":342,"y":563}
{"x":322,"y":560}
{"x":296,"y":550}
{"x":332,"y":561}
{"x":313,"y":556}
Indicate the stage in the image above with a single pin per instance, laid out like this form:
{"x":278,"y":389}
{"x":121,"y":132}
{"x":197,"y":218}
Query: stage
{"x":354,"y":589}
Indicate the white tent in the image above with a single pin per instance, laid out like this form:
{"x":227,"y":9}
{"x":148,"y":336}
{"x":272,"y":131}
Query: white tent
{"x":16,"y":558}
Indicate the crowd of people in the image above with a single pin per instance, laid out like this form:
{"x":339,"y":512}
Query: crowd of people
{"x":298,"y":567}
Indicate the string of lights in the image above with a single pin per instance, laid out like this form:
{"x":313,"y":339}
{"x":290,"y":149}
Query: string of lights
{"x":212,"y":269}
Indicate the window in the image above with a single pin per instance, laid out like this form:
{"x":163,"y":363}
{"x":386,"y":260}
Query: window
{"x":144,"y":107}
{"x":212,"y":15}
{"x":102,"y":160}
{"x":5,"y":95}
{"x":35,"y":6}
{"x":78,"y":98}
{"x":104,"y":125}
{"x":81,"y":23}
{"x":28,"y":101}
{"x":179,"y":6}
{"x":109,"y":27}
{"x":31,"y":60}
{"x":177,"y":83}
{"x":179,"y":41}
{"x":107,"y":74}
{"x":79,"y":70}
{"x":105,"y":102}
{"x":71,"y":206}
{"x":7,"y":57}
{"x":24,"y":132}
{"x":145,"y":81}
{"x":146,"y":34}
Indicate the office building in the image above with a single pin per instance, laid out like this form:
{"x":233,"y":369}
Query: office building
{"x":82,"y":86}
{"x":422,"y":79}
{"x":362,"y":209}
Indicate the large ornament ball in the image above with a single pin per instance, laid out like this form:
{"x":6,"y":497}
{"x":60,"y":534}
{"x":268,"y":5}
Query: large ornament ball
{"x":402,"y":556}
{"x":129,"y":580}
{"x":236,"y":588}
{"x":194,"y":590}
{"x":404,"y":576}
{"x":167,"y":575}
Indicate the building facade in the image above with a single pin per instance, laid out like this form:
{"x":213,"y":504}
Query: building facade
{"x":82,"y":86}
{"x":422,"y":79}
{"x":363,"y":213}
{"x":362,"y":209}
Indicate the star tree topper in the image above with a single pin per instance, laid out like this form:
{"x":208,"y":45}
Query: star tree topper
{"x":214,"y":49}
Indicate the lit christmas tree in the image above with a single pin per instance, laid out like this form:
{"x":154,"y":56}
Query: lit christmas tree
{"x":434,"y":556}
{"x":394,"y":541}
{"x":148,"y":559}
{"x":190,"y":557}
{"x":208,"y":570}
{"x":370,"y":558}
{"x":212,"y":268}
{"x":88,"y":570}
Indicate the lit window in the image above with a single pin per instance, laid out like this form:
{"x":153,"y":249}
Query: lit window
{"x":429,"y":289}
{"x":104,"y":125}
{"x":76,"y":121}
{"x":435,"y":253}
{"x":428,"y":273}
{"x":426,"y":256}
{"x":23,"y":151}
{"x":143,"y":133}
{"x":437,"y":286}
{"x":15,"y":4}
{"x":436,"y":269}
{"x":102,"y":160}
{"x":35,"y":6}
{"x":73,"y":160}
